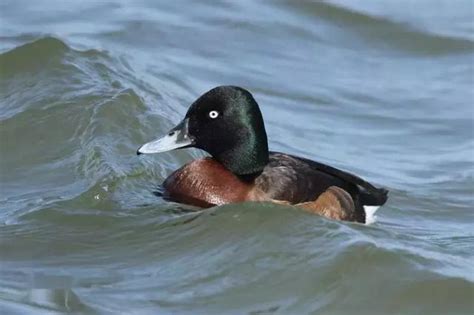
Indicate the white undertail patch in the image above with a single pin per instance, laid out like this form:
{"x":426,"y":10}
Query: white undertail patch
{"x":370,"y":214}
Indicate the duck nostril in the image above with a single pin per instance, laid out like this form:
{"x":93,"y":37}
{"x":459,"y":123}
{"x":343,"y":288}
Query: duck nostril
{"x":171,"y":133}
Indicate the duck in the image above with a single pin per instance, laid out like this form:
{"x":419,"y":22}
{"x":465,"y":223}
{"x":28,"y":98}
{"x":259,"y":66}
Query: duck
{"x":227,"y":123}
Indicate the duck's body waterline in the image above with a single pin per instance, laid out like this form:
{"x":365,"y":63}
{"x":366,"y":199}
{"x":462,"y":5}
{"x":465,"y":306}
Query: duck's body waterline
{"x":227,"y":123}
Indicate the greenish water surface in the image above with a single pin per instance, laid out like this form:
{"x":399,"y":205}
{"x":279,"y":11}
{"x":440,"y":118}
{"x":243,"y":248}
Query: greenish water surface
{"x":383,"y":89}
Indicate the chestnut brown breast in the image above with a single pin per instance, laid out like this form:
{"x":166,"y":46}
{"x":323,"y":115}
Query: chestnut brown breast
{"x":206,"y":183}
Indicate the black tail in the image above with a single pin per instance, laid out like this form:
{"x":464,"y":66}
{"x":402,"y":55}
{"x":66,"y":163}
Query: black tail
{"x":374,"y":197}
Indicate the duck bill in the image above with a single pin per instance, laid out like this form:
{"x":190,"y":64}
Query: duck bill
{"x":176,"y":138}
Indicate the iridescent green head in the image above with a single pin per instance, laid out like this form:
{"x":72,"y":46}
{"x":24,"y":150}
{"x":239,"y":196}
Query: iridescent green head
{"x":227,"y":123}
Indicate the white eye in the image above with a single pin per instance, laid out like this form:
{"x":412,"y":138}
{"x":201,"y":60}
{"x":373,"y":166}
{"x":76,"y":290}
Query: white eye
{"x":213,"y":114}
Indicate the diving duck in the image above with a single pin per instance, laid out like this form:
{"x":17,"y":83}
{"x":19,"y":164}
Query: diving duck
{"x":226,"y":122}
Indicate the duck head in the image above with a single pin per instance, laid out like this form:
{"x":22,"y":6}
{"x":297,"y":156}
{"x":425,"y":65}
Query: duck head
{"x":227,"y":123}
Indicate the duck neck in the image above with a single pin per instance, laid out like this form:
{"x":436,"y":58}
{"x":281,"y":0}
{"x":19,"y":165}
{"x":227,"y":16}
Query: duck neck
{"x":248,"y":158}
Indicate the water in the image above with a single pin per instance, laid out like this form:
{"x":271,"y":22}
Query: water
{"x":382,"y":89}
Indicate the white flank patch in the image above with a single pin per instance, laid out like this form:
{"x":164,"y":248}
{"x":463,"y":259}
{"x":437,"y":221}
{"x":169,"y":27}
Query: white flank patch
{"x":370,"y":214}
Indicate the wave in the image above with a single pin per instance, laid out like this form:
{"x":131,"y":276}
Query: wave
{"x":381,"y":32}
{"x":71,"y":119}
{"x":236,"y":250}
{"x":81,"y":200}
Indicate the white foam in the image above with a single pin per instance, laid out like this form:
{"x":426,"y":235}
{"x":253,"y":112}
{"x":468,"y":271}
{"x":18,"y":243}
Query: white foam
{"x":370,"y":214}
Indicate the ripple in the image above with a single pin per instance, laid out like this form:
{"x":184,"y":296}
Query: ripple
{"x":382,"y":33}
{"x":362,"y":91}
